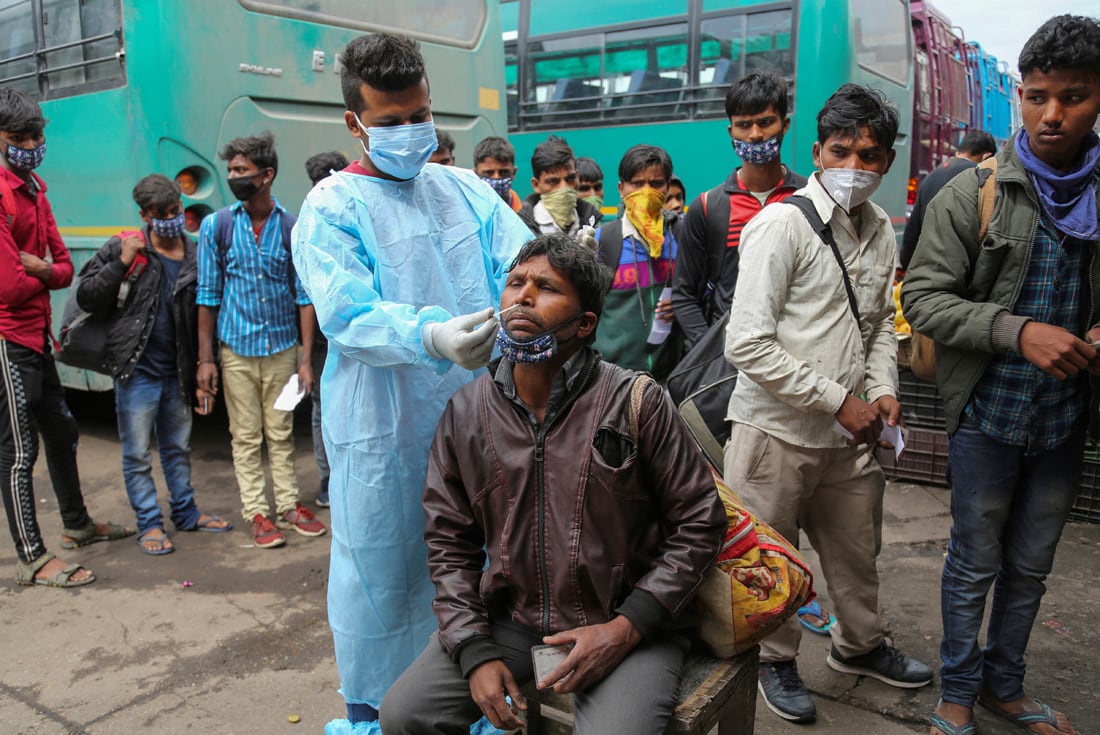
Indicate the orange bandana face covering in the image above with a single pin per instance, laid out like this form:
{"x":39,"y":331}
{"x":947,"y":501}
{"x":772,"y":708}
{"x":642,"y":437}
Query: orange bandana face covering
{"x":643,"y":209}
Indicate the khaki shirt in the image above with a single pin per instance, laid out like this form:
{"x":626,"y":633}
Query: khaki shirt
{"x":791,"y":332}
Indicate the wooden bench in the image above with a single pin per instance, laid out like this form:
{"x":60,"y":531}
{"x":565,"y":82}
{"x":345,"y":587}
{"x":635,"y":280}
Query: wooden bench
{"x":713,"y":693}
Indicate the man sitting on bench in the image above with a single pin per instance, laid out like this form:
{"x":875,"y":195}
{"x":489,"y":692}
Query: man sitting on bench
{"x":578,"y":481}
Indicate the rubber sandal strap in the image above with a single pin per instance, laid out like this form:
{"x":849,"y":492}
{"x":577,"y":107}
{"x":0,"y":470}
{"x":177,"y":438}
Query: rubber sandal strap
{"x":950,"y":728}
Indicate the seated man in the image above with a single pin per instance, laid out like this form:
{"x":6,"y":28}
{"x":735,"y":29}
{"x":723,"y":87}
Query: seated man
{"x":543,"y":453}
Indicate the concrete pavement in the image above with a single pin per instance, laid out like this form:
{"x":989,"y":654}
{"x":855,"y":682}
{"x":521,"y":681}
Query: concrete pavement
{"x":246,"y":644}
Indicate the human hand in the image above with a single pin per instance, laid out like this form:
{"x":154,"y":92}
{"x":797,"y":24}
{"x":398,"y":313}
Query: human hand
{"x":131,"y":246}
{"x":35,"y":266}
{"x":204,"y":402}
{"x":664,"y":312}
{"x":465,"y":340}
{"x":305,"y":376}
{"x":207,"y":377}
{"x":1093,"y":338}
{"x":597,"y":650}
{"x":489,"y":683}
{"x":587,"y":236}
{"x":1054,"y":350}
{"x":861,"y":420}
{"x":889,"y":411}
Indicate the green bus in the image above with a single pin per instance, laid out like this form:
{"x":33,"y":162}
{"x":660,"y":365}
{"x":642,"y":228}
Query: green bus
{"x":612,"y":74}
{"x":132,"y":87}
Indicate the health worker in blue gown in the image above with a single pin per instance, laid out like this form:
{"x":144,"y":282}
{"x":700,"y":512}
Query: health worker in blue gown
{"x":403,"y":261}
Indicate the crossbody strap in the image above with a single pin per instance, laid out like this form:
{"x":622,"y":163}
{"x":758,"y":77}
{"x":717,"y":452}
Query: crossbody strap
{"x":826,"y":234}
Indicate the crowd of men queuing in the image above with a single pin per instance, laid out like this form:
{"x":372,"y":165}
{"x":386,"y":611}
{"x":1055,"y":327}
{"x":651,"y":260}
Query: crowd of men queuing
{"x":504,"y":469}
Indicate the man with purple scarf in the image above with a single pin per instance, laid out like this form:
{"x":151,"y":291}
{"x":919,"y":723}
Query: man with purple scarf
{"x":1016,"y":318}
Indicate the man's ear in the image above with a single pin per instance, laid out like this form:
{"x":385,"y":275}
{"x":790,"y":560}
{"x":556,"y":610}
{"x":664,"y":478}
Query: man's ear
{"x":588,"y":322}
{"x":816,"y":154}
{"x":351,"y":121}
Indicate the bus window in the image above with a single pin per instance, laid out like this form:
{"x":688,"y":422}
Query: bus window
{"x":17,"y":61}
{"x":77,"y":51}
{"x":881,"y":37}
{"x":646,"y":72}
{"x":564,"y":80}
{"x":731,"y":46}
{"x":458,"y":22}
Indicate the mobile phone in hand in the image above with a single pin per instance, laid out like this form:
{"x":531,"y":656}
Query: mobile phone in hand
{"x":547,"y":658}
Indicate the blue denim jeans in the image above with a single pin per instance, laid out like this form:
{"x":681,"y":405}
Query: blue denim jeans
{"x":149,"y":407}
{"x":1007,"y":510}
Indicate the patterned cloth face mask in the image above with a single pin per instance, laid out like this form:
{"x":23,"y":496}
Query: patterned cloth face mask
{"x":25,"y":159}
{"x":500,"y":186}
{"x":539,"y":348}
{"x":760,"y":153}
{"x":171,"y":227}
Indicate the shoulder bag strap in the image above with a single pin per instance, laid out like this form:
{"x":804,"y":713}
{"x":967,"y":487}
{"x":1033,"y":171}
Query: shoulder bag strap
{"x":805,"y":206}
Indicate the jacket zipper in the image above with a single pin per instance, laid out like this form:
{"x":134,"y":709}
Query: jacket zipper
{"x":540,"y":483}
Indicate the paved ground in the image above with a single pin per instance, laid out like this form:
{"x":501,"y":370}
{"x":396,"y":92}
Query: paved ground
{"x":246,"y":645}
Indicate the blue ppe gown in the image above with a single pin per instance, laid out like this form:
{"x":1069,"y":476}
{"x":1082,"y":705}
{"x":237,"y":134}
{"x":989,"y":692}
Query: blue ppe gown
{"x":380,"y":259}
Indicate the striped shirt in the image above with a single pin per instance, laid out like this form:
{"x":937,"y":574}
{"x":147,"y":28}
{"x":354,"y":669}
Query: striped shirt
{"x":257,"y":315}
{"x":1015,"y":402}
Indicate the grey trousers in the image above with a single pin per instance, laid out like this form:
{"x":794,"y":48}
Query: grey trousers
{"x":835,"y":496}
{"x":639,"y":696}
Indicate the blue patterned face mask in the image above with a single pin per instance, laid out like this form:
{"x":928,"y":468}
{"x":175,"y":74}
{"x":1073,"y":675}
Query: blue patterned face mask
{"x":400,"y":150}
{"x":760,"y":153}
{"x":25,"y":159}
{"x":539,"y":348}
{"x":172,"y":227}
{"x":500,"y":186}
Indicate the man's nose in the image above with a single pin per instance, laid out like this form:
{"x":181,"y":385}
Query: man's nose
{"x":1053,"y":113}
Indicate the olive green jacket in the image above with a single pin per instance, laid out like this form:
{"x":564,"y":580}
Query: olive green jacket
{"x":961,"y":293}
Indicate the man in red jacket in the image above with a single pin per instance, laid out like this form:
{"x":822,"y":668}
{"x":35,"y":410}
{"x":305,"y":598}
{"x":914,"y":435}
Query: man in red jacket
{"x":34,"y":261}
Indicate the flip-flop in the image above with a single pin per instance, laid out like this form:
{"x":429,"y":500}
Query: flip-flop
{"x":155,"y":552}
{"x":950,"y":728}
{"x":78,"y":537}
{"x":1025,"y":720}
{"x":205,"y":526}
{"x":814,"y":608}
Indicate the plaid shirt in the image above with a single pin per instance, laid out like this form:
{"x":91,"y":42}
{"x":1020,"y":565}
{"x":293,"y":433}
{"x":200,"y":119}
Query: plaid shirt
{"x":1015,"y":402}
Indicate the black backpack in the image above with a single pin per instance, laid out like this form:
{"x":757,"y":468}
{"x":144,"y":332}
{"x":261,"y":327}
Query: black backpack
{"x":702,"y":383}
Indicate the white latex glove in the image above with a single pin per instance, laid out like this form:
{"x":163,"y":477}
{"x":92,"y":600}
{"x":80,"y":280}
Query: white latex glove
{"x":466,"y":340}
{"x":587,"y":236}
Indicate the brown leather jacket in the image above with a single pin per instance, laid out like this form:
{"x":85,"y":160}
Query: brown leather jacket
{"x":579,"y":525}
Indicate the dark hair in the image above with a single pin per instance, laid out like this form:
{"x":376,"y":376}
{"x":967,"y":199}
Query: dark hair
{"x":260,"y":149}
{"x":978,"y":141}
{"x":675,"y":180}
{"x":853,"y":107}
{"x":755,"y":92}
{"x":319,"y":165}
{"x":156,"y":194}
{"x":1063,"y":42}
{"x":578,"y":263}
{"x":494,"y":147}
{"x":550,"y":154}
{"x":588,"y":169}
{"x":381,"y":61}
{"x":642,"y":157}
{"x":445,"y":140}
{"x":19,"y":113}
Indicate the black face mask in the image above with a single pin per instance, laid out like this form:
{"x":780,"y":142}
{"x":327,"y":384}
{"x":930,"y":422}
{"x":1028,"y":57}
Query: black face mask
{"x":243,"y":187}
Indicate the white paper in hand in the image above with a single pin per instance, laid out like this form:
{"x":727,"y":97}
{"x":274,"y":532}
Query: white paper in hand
{"x":289,"y":397}
{"x":890,"y":434}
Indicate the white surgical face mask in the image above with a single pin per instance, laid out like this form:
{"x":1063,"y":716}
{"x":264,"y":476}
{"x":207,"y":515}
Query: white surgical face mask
{"x":850,"y":187}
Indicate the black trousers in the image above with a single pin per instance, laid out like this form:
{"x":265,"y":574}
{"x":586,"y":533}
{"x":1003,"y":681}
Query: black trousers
{"x":32,"y":401}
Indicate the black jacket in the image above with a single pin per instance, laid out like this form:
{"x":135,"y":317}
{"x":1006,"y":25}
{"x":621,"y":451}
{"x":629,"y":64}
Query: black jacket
{"x":131,"y":325}
{"x":928,"y":189}
{"x":586,"y":214}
